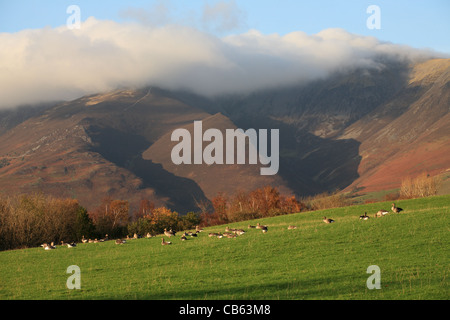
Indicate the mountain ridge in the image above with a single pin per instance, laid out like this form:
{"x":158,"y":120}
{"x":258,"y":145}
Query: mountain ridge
{"x":364,"y":129}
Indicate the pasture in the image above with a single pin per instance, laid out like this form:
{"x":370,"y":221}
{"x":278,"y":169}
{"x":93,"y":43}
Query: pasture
{"x":314,"y":261}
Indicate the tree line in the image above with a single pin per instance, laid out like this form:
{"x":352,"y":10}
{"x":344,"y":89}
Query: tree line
{"x":28,"y":220}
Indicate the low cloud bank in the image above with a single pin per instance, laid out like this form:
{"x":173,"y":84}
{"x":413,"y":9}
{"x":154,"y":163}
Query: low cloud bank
{"x":60,"y":64}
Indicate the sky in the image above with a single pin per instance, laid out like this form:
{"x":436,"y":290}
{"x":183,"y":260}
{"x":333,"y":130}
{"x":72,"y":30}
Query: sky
{"x":418,"y":23}
{"x":208,"y":47}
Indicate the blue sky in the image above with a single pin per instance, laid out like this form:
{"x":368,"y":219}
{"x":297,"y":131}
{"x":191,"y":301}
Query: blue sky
{"x":418,"y":23}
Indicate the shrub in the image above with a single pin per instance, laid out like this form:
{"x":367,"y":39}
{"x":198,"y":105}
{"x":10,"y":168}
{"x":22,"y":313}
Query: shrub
{"x":327,"y":201}
{"x":30,"y":220}
{"x":189,"y":221}
{"x":421,"y":186}
{"x":259,"y":203}
{"x":392,"y":196}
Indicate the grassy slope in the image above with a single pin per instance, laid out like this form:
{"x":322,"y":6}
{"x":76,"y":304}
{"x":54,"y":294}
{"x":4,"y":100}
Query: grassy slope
{"x":315,"y":261}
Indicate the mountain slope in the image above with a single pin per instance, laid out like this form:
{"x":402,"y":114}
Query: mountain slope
{"x":86,"y":149}
{"x":363,"y":128}
{"x":214,"y":178}
{"x":409,"y":134}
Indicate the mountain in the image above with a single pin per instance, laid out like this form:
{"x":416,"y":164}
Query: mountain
{"x":364,"y":128}
{"x":213,"y":178}
{"x":409,"y":133}
{"x":90,"y":149}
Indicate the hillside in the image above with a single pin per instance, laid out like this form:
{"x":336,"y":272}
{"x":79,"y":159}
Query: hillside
{"x":230,"y":177}
{"x":364,"y":129}
{"x":395,"y":145}
{"x":359,"y":129}
{"x":87,"y":149}
{"x":314,"y":261}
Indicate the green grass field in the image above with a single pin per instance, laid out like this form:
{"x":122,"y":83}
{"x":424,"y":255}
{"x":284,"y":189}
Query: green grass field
{"x":315,"y":261}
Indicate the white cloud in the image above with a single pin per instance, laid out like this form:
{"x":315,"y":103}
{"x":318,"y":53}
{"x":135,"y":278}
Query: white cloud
{"x":57,"y":63}
{"x":222,"y":16}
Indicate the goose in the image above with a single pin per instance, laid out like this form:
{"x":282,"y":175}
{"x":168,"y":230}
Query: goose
{"x":135,"y":236}
{"x":168,"y":233}
{"x":106,"y":237}
{"x":120,"y":241}
{"x":239,"y":232}
{"x":292,"y":227}
{"x":164,"y":242}
{"x":149,"y":235}
{"x":260,"y":226}
{"x":381,"y":213}
{"x":251,"y":227}
{"x":364,"y":216}
{"x":217,"y":235}
{"x":264,"y":229}
{"x":183,"y":238}
{"x":62,"y":243}
{"x":50,"y":246}
{"x":71,"y":245}
{"x":231,"y":235}
{"x":83,"y":239}
{"x":44,"y":245}
{"x":396,"y":209}
{"x":327,"y":220}
{"x":197,"y":228}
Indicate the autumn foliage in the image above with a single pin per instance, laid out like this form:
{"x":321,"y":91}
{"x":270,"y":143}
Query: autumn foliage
{"x":260,"y":203}
{"x":30,"y":220}
{"x":158,"y":219}
{"x":111,"y":217}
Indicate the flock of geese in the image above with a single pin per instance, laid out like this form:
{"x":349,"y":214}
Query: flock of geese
{"x":52,"y":245}
{"x":229,"y":232}
{"x":380,"y":213}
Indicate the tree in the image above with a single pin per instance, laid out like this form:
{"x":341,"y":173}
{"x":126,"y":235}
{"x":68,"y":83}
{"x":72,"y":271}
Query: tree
{"x":84,"y":225}
{"x":145,"y":208}
{"x":189,"y":221}
{"x":111,"y":217}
